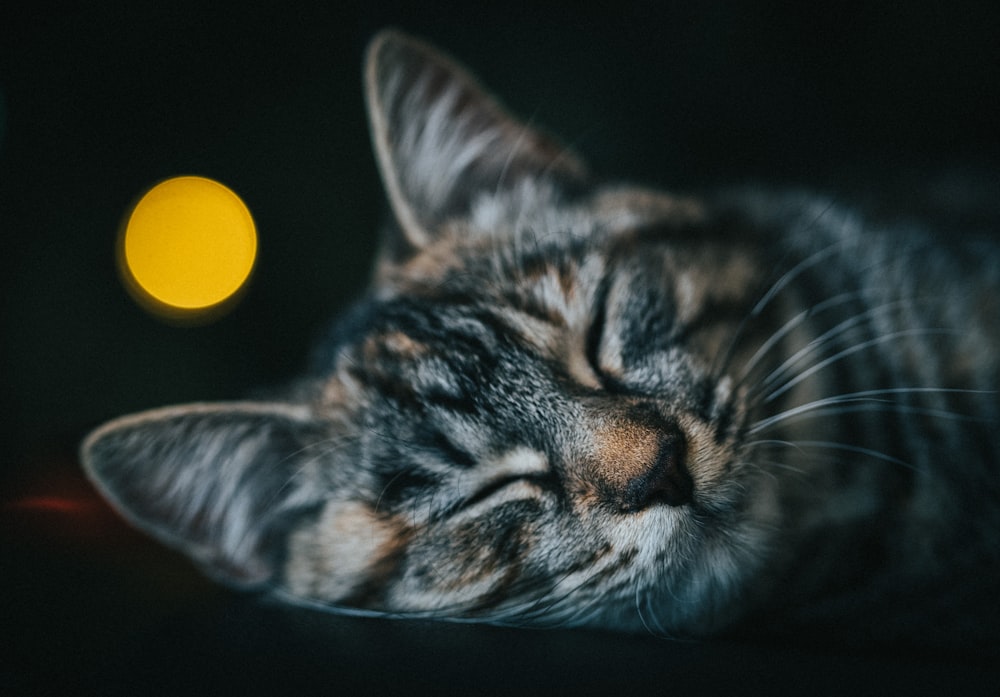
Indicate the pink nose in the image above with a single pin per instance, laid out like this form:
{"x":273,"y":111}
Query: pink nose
{"x":664,"y":479}
{"x":639,"y":458}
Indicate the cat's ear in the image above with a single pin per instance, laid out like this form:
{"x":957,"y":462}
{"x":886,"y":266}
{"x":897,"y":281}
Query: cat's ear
{"x":441,"y":140}
{"x":219,"y":482}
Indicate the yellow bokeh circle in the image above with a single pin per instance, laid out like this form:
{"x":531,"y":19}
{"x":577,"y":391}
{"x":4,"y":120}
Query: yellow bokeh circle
{"x":188,"y":245}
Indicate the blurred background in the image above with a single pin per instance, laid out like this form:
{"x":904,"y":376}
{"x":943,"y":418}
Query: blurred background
{"x":99,"y":101}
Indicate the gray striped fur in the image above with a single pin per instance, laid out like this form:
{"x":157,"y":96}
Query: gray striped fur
{"x":567,"y":401}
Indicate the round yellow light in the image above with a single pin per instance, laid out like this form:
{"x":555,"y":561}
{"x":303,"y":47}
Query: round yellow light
{"x":188,"y":245}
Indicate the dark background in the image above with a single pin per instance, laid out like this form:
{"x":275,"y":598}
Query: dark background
{"x":100,"y":100}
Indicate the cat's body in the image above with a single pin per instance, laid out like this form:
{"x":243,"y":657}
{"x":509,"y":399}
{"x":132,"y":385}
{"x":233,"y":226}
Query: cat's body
{"x":567,"y":402}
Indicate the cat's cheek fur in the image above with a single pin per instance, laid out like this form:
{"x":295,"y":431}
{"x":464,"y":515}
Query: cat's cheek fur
{"x":348,"y":547}
{"x":725,"y":572}
{"x":672,"y":572}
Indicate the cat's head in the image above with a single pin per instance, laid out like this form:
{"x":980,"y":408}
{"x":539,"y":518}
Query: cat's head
{"x":528,"y":419}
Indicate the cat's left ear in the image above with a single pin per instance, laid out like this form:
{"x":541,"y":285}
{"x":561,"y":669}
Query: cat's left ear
{"x":441,"y":140}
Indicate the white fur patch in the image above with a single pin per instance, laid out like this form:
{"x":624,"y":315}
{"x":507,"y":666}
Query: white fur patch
{"x":328,"y":560}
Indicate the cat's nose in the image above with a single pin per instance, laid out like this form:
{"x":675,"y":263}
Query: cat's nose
{"x":640,"y":460}
{"x":665,"y":478}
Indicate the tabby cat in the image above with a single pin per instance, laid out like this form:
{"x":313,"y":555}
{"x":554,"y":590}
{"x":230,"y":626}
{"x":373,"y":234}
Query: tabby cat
{"x":571,"y":402}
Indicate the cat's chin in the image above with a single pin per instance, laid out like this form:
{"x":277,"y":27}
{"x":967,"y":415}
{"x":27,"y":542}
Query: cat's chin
{"x":697,"y":579}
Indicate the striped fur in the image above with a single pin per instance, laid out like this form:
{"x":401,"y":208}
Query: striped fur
{"x":564,"y":401}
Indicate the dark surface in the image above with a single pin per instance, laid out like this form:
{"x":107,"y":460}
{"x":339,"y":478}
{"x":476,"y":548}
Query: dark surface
{"x":98,"y":609}
{"x":99,"y":102}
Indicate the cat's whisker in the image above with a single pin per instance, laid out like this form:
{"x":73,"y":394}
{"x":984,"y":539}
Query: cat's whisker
{"x":573,"y":592}
{"x":867,"y":399}
{"x":650,"y":612}
{"x":770,"y":441}
{"x":840,"y":355}
{"x":757,"y":465}
{"x":569,"y":597}
{"x":584,"y":613}
{"x":847,"y":447}
{"x":766,"y":297}
{"x":773,"y":341}
{"x":801,"y":267}
{"x":639,"y":597}
{"x":827,"y":338}
{"x":387,"y":486}
{"x":301,"y":464}
{"x":802,"y":453}
{"x":764,"y":466}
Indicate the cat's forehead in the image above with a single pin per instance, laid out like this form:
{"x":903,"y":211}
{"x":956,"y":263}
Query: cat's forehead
{"x":418,"y":346}
{"x":510,"y":229}
{"x":607,"y":209}
{"x":523,"y":312}
{"x":406,"y":323}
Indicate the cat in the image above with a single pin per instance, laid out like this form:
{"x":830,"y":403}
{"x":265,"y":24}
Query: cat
{"x":569,"y":402}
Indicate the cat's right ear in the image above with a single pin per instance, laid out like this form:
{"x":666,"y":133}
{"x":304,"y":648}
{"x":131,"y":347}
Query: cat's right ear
{"x":219,"y":482}
{"x":441,"y":140}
